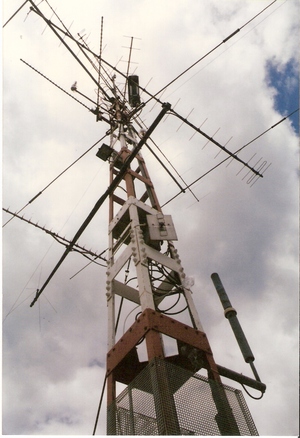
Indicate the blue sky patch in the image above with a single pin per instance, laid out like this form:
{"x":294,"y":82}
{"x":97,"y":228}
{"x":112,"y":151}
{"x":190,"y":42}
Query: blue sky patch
{"x":285,"y":79}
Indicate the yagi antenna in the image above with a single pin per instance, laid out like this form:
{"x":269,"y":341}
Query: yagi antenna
{"x":134,"y":86}
{"x":62,"y":240}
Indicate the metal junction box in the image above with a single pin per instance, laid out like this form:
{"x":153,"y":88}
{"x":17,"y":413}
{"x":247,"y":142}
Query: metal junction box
{"x":161,"y":227}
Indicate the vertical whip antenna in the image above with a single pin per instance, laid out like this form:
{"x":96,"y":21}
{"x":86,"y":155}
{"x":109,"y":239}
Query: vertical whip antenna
{"x":230,"y":313}
{"x":99,"y":69}
{"x":128,"y":67}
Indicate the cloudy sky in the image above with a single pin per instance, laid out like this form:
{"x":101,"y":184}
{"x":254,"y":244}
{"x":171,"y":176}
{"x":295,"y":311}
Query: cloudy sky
{"x":54,"y":353}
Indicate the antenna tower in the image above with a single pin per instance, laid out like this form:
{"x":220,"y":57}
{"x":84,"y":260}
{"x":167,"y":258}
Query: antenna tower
{"x":151,"y":391}
{"x":156,"y":399}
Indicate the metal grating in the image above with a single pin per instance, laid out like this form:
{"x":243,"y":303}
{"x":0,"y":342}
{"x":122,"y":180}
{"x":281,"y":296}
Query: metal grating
{"x":186,"y":405}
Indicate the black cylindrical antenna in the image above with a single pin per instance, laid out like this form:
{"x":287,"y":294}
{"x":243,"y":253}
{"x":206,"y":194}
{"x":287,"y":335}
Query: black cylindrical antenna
{"x":230,"y":313}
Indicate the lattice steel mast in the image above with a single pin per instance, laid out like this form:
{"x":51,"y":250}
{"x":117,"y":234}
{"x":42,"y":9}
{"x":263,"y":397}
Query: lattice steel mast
{"x":138,"y":230}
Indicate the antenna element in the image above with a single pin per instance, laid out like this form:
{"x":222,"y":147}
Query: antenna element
{"x":230,"y":313}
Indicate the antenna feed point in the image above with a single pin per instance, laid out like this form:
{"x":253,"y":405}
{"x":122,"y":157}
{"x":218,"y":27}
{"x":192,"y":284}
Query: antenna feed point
{"x":166,"y":105}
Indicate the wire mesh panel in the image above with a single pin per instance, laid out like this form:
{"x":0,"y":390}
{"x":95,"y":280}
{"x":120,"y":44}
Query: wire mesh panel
{"x":198,"y":403}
